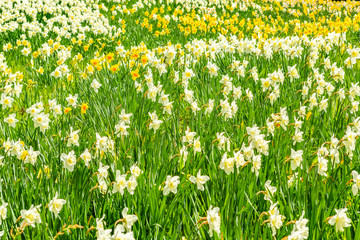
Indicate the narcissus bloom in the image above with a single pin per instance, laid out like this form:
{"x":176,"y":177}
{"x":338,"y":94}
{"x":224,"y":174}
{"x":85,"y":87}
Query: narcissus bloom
{"x":114,"y":68}
{"x":3,"y":212}
{"x":135,"y":170}
{"x":135,"y":74}
{"x":171,"y":184}
{"x":239,"y":159}
{"x":340,"y":220}
{"x":322,"y":166}
{"x":214,"y":220}
{"x":56,"y":204}
{"x":269,"y":190}
{"x":31,"y":216}
{"x":189,"y":136}
{"x":296,"y":159}
{"x":131,"y":184}
{"x":72,"y":100}
{"x":154,"y":122}
{"x":31,"y":156}
{"x":84,"y":107}
{"x":42,"y":121}
{"x":227,"y":164}
{"x":293,"y":72}
{"x":356,"y":178}
{"x":129,"y":220}
{"x":120,"y":129}
{"x":120,"y":183}
{"x":300,"y":230}
{"x":125,"y":117}
{"x":67,"y":110}
{"x":103,"y":170}
{"x":6,"y":101}
{"x":197,"y":145}
{"x":69,"y":160}
{"x":73,"y":138}
{"x":199,"y":180}
{"x":119,"y":234}
{"x":276,"y":219}
{"x":11,"y":120}
{"x":86,"y":156}
{"x":96,"y":85}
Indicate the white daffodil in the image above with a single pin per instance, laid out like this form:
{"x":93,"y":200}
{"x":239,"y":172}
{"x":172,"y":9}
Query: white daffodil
{"x":129,"y":220}
{"x":199,"y":180}
{"x":340,"y":220}
{"x":214,"y":220}
{"x":56,"y":204}
{"x":171,"y":184}
{"x":69,"y":160}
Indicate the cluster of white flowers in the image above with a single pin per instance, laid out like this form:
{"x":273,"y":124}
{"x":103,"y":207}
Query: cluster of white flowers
{"x":104,"y":145}
{"x":300,"y":230}
{"x":154,"y":121}
{"x":121,"y":183}
{"x":276,"y":220}
{"x":18,"y":149}
{"x":31,"y":217}
{"x":120,"y":128}
{"x":121,"y":231}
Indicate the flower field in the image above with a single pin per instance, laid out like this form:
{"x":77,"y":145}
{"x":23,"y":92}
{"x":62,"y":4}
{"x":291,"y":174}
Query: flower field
{"x":179,"y":119}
